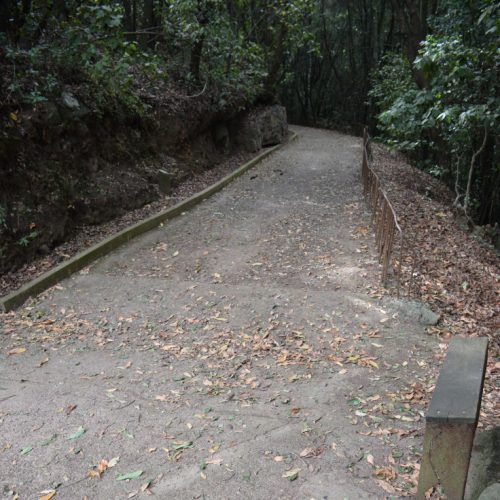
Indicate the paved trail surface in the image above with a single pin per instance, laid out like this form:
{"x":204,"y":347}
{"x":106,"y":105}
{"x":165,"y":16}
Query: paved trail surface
{"x":240,"y":342}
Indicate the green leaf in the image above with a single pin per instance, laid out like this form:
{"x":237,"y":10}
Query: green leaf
{"x":26,"y":450}
{"x":129,"y":475}
{"x":79,"y":433}
{"x":50,"y":440}
{"x":126,"y":433}
{"x":182,"y":445}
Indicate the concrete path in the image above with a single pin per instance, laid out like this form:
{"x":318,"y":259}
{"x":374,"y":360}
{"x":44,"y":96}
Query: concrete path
{"x":240,"y":351}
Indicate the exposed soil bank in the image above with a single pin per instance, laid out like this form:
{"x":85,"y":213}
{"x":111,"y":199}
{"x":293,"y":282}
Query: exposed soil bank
{"x":64,"y":167}
{"x":87,"y":235}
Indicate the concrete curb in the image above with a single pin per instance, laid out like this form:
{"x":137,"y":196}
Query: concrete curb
{"x":82,"y":259}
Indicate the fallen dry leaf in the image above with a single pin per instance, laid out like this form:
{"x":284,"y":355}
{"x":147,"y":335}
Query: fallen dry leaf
{"x":214,"y":461}
{"x":386,"y":486}
{"x":47,"y":495}
{"x":70,"y":409}
{"x":16,"y":350}
{"x":385,"y":473}
{"x":311,"y":452}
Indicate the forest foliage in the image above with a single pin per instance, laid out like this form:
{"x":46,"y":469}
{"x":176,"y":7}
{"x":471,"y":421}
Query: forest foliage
{"x":423,"y":75}
{"x":124,"y":50}
{"x":447,"y":119}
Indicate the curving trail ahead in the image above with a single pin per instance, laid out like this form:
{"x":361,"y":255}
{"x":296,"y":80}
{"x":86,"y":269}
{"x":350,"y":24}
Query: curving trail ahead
{"x":240,"y":341}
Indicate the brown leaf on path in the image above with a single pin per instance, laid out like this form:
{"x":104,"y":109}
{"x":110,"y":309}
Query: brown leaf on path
{"x":47,"y":495}
{"x":311,"y":452}
{"x":369,"y":362}
{"x":337,"y":360}
{"x":385,"y":473}
{"x":145,"y":488}
{"x":70,"y":409}
{"x":44,"y":361}
{"x":214,"y":461}
{"x":386,"y":486}
{"x":99,"y":469}
{"x":102,"y":466}
{"x":16,"y":350}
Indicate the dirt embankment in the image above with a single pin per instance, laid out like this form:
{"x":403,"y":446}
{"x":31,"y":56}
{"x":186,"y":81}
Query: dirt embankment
{"x":64,"y":166}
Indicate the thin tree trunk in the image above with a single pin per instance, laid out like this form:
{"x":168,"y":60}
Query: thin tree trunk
{"x":471,"y":172}
{"x":195,"y":62}
{"x":456,"y":203}
{"x":148,"y":22}
{"x":128,"y":20}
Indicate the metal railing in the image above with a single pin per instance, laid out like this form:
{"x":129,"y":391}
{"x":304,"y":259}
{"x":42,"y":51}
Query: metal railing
{"x":384,"y":217}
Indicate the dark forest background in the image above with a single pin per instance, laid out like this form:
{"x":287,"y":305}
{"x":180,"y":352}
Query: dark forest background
{"x":422,"y":75}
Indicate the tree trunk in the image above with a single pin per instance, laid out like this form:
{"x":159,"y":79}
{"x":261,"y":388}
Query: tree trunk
{"x":412,"y":17}
{"x":196,"y":54}
{"x":148,"y":22}
{"x":128,"y":20}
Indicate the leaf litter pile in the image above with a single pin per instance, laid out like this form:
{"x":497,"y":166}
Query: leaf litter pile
{"x":445,"y":266}
{"x":255,"y":369}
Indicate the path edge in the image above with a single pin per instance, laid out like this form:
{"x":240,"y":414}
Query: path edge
{"x":33,"y":288}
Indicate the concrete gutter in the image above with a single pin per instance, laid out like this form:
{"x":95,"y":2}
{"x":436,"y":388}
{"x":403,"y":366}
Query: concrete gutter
{"x":83,"y":259}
